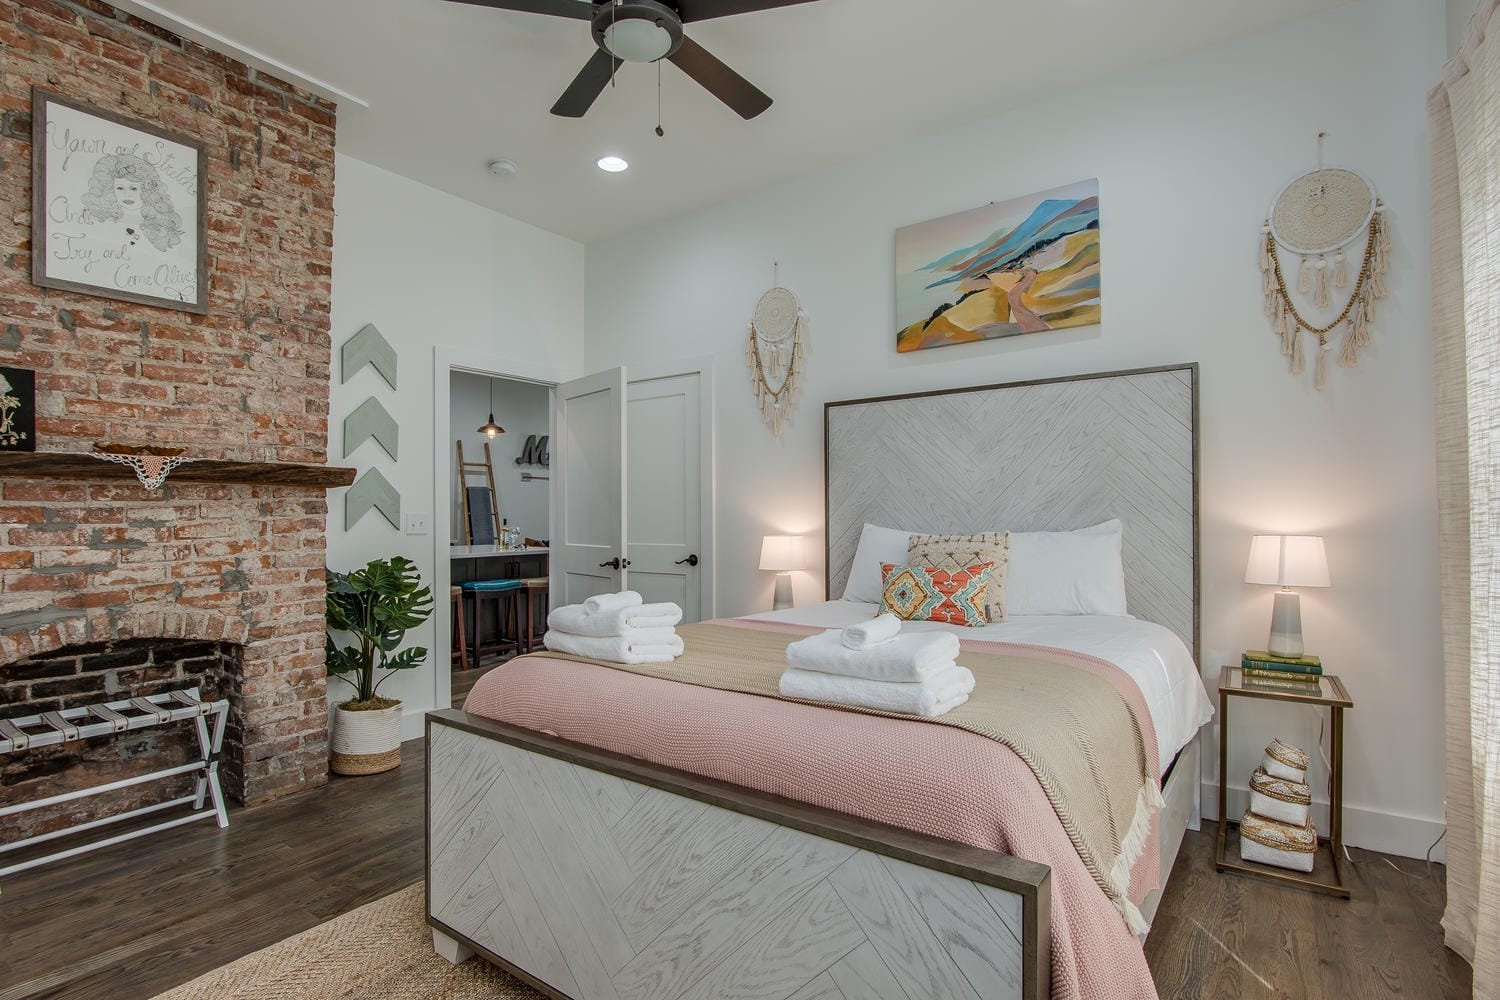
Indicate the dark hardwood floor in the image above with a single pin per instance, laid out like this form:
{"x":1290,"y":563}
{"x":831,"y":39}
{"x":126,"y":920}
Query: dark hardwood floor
{"x":131,"y":921}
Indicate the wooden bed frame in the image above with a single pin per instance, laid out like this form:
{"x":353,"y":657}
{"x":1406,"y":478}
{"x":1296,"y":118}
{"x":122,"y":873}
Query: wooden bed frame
{"x":589,"y":875}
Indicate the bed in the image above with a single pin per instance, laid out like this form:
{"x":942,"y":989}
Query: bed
{"x":603,"y":833}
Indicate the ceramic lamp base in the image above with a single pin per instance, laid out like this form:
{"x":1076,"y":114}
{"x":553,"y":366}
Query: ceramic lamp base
{"x":783,"y":598}
{"x":1286,"y":625}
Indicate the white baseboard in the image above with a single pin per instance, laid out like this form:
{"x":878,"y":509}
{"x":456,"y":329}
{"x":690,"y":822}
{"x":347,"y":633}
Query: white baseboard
{"x":1389,"y":833}
{"x":413,"y":726}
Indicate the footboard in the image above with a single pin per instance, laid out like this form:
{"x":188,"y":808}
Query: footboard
{"x":592,"y":875}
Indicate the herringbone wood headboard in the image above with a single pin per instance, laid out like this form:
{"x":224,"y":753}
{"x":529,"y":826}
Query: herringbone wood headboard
{"x":1047,"y":455}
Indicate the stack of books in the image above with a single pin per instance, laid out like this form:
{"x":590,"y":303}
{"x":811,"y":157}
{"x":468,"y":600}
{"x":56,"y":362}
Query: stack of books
{"x":1296,"y":673}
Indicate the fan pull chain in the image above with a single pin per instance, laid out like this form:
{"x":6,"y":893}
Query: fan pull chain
{"x":659,"y":130}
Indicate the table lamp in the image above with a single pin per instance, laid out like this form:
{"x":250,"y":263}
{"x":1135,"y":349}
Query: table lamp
{"x":1287,"y":561}
{"x":782,"y":554}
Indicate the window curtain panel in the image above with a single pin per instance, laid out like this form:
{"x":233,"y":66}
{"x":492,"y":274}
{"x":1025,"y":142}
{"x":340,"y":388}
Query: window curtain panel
{"x":1464,"y":119}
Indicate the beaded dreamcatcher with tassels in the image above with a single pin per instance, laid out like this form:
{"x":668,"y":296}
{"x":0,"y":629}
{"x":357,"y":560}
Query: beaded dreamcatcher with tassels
{"x":1317,"y":217}
{"x":775,"y":351}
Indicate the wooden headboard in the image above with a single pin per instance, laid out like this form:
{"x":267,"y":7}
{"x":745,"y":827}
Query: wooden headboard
{"x":1046,"y":455}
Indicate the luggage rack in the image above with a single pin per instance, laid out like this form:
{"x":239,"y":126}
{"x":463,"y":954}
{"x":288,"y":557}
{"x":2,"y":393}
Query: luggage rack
{"x":105,"y":719}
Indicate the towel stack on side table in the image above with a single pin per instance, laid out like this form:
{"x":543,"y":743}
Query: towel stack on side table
{"x":1277,"y":828}
{"x":618,"y":628}
{"x":875,"y":666}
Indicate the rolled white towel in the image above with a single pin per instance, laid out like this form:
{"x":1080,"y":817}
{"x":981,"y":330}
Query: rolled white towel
{"x":938,"y":695}
{"x":612,"y":602}
{"x":909,"y":657}
{"x":880,"y":629}
{"x":614,"y":649}
{"x":579,"y":620}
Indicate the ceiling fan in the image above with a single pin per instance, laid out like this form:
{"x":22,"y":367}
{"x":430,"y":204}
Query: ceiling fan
{"x":646,"y":31}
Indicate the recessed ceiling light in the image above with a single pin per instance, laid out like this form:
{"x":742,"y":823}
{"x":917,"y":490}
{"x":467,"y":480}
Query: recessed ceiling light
{"x":503,"y":168}
{"x":613,"y":164}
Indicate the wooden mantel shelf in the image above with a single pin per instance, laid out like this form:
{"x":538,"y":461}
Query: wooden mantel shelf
{"x":74,"y":465}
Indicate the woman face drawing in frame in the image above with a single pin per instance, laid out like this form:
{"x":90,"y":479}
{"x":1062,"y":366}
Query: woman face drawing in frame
{"x":124,"y":188}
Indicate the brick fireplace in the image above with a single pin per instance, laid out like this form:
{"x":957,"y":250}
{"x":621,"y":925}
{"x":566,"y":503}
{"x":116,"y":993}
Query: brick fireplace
{"x":104,"y":585}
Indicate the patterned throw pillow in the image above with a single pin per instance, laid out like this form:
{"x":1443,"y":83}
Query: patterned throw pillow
{"x":957,"y":552}
{"x":924,"y":594}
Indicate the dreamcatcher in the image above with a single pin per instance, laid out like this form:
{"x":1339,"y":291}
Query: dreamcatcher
{"x":775,"y":352}
{"x":1317,"y":216}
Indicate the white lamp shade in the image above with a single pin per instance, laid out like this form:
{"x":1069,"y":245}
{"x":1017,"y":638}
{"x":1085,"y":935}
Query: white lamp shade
{"x":1288,"y":561}
{"x":782,"y":553}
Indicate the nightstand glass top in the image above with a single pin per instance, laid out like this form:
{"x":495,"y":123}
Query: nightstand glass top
{"x":1327,"y":690}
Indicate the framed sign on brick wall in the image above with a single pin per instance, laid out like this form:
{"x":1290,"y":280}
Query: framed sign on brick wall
{"x":118,"y":206}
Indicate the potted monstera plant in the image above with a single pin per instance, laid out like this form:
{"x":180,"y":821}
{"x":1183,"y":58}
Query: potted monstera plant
{"x":377,"y":606}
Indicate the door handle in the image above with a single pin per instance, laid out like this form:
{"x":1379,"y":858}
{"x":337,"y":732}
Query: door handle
{"x":691,"y":560}
{"x":612,"y":564}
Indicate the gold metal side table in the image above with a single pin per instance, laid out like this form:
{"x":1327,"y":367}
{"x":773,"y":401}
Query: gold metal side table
{"x":1329,"y":692}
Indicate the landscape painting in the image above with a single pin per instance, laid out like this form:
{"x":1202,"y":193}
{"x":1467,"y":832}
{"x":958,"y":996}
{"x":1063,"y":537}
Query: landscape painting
{"x":1020,"y":266}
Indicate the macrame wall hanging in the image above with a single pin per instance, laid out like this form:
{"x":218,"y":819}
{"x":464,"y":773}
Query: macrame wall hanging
{"x":1316,"y":218}
{"x":775,"y":351}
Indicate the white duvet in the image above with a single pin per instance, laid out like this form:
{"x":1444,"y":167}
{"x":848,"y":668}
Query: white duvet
{"x":1151,"y":654}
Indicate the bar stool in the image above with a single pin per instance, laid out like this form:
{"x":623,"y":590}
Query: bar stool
{"x":460,"y":647}
{"x":538,"y":587}
{"x":504,"y":593}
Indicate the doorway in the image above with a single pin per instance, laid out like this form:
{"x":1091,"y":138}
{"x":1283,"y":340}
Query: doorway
{"x":500,"y":415}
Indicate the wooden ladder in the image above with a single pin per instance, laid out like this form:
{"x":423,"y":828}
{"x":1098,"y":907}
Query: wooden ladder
{"x":467,"y":469}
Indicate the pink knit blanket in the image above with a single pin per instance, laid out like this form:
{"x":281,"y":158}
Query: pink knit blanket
{"x":933,"y":779}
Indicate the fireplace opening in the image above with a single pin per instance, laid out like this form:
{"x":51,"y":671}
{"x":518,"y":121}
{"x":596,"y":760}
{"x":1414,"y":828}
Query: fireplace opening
{"x":102,"y":672}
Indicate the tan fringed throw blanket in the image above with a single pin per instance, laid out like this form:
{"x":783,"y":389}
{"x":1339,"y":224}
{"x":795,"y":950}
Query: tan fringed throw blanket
{"x":1071,"y":727}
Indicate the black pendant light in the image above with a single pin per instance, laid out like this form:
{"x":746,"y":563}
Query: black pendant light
{"x":492,"y":430}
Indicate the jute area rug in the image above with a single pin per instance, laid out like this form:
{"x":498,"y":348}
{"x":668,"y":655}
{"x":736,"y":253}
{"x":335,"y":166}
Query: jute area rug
{"x":381,"y":951}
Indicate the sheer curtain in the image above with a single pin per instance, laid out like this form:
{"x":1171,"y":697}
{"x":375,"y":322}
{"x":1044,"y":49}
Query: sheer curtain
{"x":1464,"y":118}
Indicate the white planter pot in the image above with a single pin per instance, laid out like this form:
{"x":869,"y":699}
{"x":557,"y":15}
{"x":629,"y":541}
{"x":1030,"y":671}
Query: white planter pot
{"x":366,"y":742}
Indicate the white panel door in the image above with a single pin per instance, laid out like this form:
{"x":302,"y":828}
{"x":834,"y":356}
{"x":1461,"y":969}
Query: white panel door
{"x":665,"y":482}
{"x":588,"y":470}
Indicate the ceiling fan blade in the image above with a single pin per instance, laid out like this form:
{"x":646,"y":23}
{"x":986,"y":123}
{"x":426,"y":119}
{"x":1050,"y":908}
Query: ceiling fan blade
{"x":586,"y":86}
{"x":703,"y":10}
{"x":724,"y":83}
{"x":579,"y":10}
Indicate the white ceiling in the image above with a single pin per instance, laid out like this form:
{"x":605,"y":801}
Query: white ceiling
{"x":451,"y":87}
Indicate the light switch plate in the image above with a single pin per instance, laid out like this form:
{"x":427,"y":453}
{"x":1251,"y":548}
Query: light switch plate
{"x":418,"y":523}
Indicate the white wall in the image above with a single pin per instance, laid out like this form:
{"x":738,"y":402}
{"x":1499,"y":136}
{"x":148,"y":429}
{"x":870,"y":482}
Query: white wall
{"x":523,"y":409}
{"x":432,"y":271}
{"x":1188,"y":155}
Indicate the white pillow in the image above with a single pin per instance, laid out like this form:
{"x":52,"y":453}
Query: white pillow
{"x":876,"y":545}
{"x":1067,"y":572}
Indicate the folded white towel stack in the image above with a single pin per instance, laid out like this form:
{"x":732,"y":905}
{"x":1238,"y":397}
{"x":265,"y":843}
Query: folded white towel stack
{"x":880,"y":629}
{"x":874,"y":665}
{"x":909,"y":658}
{"x":938,"y":695}
{"x":579,"y":620}
{"x":616,"y":627}
{"x":617,"y":649}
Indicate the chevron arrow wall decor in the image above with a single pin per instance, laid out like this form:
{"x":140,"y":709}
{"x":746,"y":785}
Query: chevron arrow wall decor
{"x":368,"y":347}
{"x":372,"y":490}
{"x":371,"y":420}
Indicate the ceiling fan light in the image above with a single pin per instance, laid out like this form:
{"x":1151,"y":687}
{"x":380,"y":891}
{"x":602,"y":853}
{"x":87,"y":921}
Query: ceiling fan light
{"x":637,"y":40}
